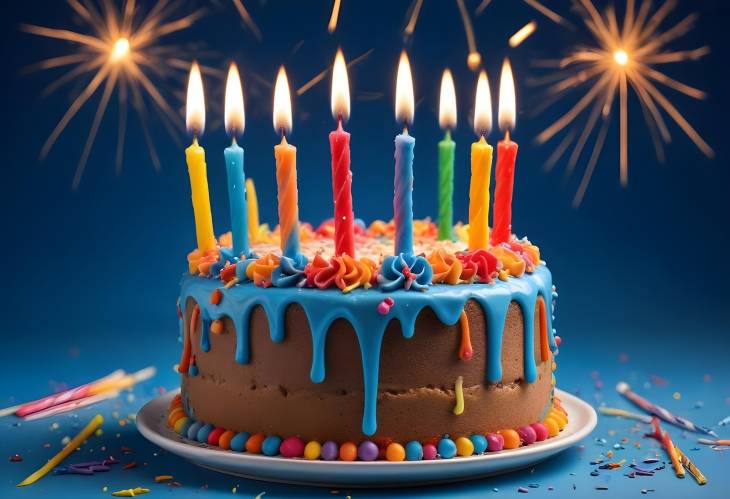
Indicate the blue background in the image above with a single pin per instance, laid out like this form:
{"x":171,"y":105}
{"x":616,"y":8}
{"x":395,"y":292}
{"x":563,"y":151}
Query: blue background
{"x":91,"y":275}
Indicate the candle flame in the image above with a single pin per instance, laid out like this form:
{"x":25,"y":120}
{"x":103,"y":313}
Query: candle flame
{"x":404,"y":102}
{"x":235,"y":117}
{"x":447,"y":101}
{"x":340,"y":97}
{"x":507,"y":105}
{"x":282,"y":103}
{"x":120,"y":50}
{"x":195,"y":108}
{"x":483,"y":106}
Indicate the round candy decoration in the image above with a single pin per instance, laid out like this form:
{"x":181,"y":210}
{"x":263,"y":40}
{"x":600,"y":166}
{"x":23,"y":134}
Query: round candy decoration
{"x":464,"y":447}
{"x":429,"y":452}
{"x":479,"y":442}
{"x":330,"y":451}
{"x":312,"y":450}
{"x":367,"y":451}
{"x":395,"y":452}
{"x":292,"y":447}
{"x":238,"y":442}
{"x":527,"y":435}
{"x":348,"y":451}
{"x":414,"y":451}
{"x":447,"y":448}
{"x":270,"y":445}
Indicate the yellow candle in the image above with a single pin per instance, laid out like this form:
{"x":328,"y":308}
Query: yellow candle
{"x":481,"y":172}
{"x":195,"y":157}
{"x":252,"y":207}
{"x":481,"y":168}
{"x":286,"y":178}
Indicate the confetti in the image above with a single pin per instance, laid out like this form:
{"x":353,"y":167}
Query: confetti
{"x":16,"y":458}
{"x":163,"y":478}
{"x":691,"y":467}
{"x":90,"y":428}
{"x":130,"y":492}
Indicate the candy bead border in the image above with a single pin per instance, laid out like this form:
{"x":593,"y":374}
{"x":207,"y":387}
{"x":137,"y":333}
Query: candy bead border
{"x":445,"y":447}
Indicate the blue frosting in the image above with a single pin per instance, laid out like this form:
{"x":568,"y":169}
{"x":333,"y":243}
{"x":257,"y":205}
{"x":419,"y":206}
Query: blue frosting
{"x":227,"y":255}
{"x":405,"y":271}
{"x":359,"y":307}
{"x":290,"y":271}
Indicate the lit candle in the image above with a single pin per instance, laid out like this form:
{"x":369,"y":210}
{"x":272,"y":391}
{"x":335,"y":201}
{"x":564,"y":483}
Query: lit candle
{"x":234,"y":123}
{"x":481,"y":168}
{"x":195,"y":157}
{"x":447,"y":147}
{"x":506,"y":156}
{"x":404,"y":144}
{"x":340,"y":149}
{"x":286,"y":169}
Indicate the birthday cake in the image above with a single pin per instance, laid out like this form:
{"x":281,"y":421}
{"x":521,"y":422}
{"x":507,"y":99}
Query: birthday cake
{"x":369,"y":350}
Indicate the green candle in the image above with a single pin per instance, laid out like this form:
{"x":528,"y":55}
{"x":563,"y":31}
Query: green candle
{"x":447,"y":121}
{"x":446,"y":186}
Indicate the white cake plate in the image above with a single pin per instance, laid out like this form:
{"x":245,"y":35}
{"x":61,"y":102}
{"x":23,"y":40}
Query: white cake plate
{"x":151,"y":421}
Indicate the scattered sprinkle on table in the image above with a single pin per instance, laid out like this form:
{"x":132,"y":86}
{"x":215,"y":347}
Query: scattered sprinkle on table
{"x":130,"y":492}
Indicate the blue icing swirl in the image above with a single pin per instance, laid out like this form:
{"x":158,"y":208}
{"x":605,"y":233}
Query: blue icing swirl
{"x":323,"y":306}
{"x":227,"y":255}
{"x":290,"y":272}
{"x":405,"y":271}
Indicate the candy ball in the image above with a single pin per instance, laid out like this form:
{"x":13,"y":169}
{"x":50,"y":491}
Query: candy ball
{"x":224,"y":442}
{"x":193,"y":430}
{"x":429,"y":452}
{"x":203,"y":433}
{"x":292,"y":447}
{"x":495,"y":442}
{"x":464,"y":447}
{"x":414,"y":451}
{"x":479,"y":442}
{"x":348,"y":451}
{"x":527,"y":435}
{"x":395,"y":452}
{"x":182,"y":425}
{"x":270,"y":445}
{"x":552,"y":426}
{"x":312,"y":450}
{"x":447,"y":448}
{"x":330,"y":451}
{"x":511,"y":438}
{"x":215,"y":435}
{"x":174,"y":415}
{"x":367,"y":451}
{"x":253,"y":444}
{"x":541,"y":432}
{"x":238,"y":442}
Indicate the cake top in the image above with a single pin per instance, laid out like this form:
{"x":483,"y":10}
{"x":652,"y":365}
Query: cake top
{"x":433,"y":260}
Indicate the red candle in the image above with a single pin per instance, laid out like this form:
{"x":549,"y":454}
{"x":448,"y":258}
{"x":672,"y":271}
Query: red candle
{"x":341,"y":174}
{"x":506,"y":156}
{"x":505,"y":179}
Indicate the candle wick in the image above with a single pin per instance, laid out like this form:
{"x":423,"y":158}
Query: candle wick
{"x":506,"y":136}
{"x":405,"y":128}
{"x":283,"y":132}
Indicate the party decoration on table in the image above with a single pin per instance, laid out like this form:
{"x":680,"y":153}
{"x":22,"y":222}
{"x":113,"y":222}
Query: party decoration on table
{"x":117,"y":51}
{"x":481,"y":168}
{"x":446,"y":148}
{"x":624,"y":389}
{"x":669,"y":447}
{"x":624,"y":56}
{"x":506,"y":156}
{"x":707,"y":441}
{"x":87,"y":468}
{"x":75,"y":442}
{"x":611,"y":411}
{"x":344,"y":217}
{"x":101,"y":389}
{"x":235,"y":122}
{"x":137,"y":491}
{"x":195,"y":158}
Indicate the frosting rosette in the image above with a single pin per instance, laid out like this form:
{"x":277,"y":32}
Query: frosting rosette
{"x":527,"y":251}
{"x":481,"y":265}
{"x":345,"y":272}
{"x":260,"y":270}
{"x":446,"y":267}
{"x":199,"y":262}
{"x":290,"y":272}
{"x":513,"y":263}
{"x":406,"y":271}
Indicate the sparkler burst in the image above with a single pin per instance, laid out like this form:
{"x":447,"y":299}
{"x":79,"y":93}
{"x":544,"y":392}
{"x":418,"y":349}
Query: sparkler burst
{"x":118,"y":50}
{"x":622,"y":58}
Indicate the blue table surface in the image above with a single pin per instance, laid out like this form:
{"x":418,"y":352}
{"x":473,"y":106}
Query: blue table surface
{"x":678,"y":376}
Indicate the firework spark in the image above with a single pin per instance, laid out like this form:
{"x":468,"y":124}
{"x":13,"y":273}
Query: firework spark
{"x":332,"y":25}
{"x":116,"y":53}
{"x":623,"y":58}
{"x":248,"y":20}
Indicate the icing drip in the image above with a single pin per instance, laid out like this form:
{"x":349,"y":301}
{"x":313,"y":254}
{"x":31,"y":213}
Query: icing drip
{"x":405,"y":271}
{"x":184,"y":364}
{"x":290,"y":271}
{"x":544,"y":347}
{"x":359,"y":307}
{"x":345,"y":272}
{"x":465,"y":349}
{"x":459,"y":393}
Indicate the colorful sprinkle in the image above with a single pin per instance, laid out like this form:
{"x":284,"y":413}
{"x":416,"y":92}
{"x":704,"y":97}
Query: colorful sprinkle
{"x":16,"y":458}
{"x":163,"y":478}
{"x":130,"y":492}
{"x":383,"y":308}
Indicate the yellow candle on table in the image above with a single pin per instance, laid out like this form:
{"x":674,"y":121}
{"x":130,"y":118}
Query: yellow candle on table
{"x":286,"y":170}
{"x":481,"y":168}
{"x":195,"y":157}
{"x":252,"y":208}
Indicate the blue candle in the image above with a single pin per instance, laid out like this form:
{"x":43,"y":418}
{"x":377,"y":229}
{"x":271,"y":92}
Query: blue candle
{"x":237,"y":198}
{"x":403,"y":193}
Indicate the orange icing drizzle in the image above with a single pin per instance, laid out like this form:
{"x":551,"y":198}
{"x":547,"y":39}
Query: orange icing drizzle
{"x":446,"y":267}
{"x":465,"y":349}
{"x":511,"y":261}
{"x":544,"y":347}
{"x":345,"y":272}
{"x":260,"y":270}
{"x":184,"y":364}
